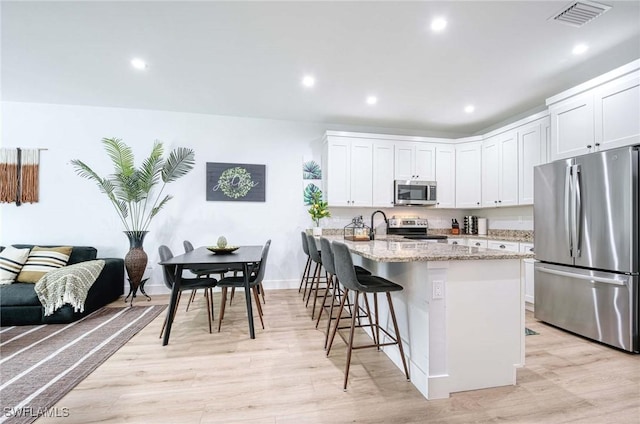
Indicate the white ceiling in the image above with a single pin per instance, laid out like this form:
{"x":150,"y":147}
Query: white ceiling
{"x":248,"y":58}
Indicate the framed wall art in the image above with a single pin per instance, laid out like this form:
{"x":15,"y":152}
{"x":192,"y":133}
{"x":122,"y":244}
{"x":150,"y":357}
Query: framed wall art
{"x":235,"y":182}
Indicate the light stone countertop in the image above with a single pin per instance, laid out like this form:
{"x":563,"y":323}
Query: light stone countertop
{"x":392,"y":249}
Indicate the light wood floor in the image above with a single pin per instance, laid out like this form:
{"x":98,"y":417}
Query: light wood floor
{"x":283,"y":376}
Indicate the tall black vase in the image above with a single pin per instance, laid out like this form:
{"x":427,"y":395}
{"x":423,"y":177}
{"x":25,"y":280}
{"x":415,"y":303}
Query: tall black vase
{"x":135,"y":262}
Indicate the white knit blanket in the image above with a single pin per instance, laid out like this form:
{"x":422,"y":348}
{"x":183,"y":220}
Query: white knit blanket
{"x":69,"y":284}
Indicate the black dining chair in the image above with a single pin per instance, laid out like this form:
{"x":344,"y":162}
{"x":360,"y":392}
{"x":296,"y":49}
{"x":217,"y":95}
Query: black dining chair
{"x":203,"y":272}
{"x":206,"y":283}
{"x":255,"y":282}
{"x":333,"y":283}
{"x":363,"y":285}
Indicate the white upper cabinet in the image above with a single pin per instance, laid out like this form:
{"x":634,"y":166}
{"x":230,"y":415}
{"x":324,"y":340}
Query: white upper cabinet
{"x":500,"y":170}
{"x":468,"y":174}
{"x":383,"y":155}
{"x":349,"y":176}
{"x":446,"y":176}
{"x":415,"y":161}
{"x":600,"y":114}
{"x":617,"y":112}
{"x":532,"y":139}
{"x":572,"y":126}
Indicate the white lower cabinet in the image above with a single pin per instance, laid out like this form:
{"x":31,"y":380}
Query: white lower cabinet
{"x":527,"y":273}
{"x":503,"y":245}
{"x":477,"y":243}
{"x":458,"y":241}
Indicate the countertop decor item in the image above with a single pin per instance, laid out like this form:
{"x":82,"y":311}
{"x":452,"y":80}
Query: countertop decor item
{"x":222,"y":250}
{"x":131,"y":192}
{"x":319,"y":209}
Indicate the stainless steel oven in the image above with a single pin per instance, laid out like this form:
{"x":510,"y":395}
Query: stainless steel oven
{"x":415,"y":193}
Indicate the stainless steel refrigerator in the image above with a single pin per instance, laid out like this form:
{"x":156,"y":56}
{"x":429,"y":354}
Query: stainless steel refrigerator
{"x":586,"y":241}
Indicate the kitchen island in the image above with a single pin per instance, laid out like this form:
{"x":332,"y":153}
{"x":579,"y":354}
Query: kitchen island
{"x":461,"y":313}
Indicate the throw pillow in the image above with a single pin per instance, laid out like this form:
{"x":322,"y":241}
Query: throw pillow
{"x":42,"y":260}
{"x":11,"y":262}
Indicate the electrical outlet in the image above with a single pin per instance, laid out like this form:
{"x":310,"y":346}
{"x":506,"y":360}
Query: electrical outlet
{"x":438,"y":289}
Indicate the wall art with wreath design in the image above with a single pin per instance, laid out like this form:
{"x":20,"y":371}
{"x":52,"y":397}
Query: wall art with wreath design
{"x":235,"y":182}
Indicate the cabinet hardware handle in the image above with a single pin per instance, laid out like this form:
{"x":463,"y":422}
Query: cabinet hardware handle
{"x":455,"y":242}
{"x":502,"y":246}
{"x":495,"y":201}
{"x":588,"y":146}
{"x":531,"y":249}
{"x":597,"y":144}
{"x":477,"y":203}
{"x":499,"y":201}
{"x":477,"y":244}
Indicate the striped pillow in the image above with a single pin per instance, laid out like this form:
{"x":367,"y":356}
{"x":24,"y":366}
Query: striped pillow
{"x":42,"y":260}
{"x":11,"y":262}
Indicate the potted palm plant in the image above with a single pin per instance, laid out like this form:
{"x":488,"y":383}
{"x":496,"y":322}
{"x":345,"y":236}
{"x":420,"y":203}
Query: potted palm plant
{"x":131,"y":192}
{"x":319,"y":209}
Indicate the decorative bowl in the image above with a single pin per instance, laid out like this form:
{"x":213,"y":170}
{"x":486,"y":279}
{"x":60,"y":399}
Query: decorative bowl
{"x":222,"y":250}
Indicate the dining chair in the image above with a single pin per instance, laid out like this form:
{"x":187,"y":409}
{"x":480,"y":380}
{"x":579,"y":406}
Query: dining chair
{"x":363,"y":285}
{"x":203,"y":272}
{"x":255,"y":279}
{"x":206,"y":283}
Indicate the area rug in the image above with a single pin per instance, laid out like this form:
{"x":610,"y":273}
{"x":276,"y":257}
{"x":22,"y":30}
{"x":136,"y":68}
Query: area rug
{"x":39,"y":364}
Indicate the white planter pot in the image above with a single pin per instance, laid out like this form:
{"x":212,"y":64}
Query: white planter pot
{"x":317,"y":231}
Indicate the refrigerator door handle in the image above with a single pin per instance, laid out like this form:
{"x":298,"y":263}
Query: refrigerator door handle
{"x":568,"y":192}
{"x":577,"y":211}
{"x":584,"y":277}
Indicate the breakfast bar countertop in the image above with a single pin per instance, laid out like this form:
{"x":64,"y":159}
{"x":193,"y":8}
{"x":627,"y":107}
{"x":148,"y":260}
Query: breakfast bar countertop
{"x":393,"y":249}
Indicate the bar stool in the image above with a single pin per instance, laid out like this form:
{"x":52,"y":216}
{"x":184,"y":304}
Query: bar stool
{"x":363,"y":285}
{"x":314,"y":253}
{"x":327,"y":260}
{"x":307,"y":268}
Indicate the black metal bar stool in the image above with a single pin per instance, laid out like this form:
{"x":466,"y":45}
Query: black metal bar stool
{"x":363,"y":285}
{"x":333,"y":285}
{"x":314,"y":253}
{"x":306,"y":277}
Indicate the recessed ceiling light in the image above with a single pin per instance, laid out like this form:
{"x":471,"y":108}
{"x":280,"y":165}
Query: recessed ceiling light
{"x":308,"y":81}
{"x":469,"y":108}
{"x":372,"y":100}
{"x":580,"y":48}
{"x":438,"y":24}
{"x":138,"y":63}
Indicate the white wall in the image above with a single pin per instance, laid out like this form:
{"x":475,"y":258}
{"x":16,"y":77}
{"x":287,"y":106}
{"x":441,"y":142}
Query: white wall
{"x":72,"y":210}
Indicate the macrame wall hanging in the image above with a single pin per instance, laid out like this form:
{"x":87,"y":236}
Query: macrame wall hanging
{"x":19,"y":170}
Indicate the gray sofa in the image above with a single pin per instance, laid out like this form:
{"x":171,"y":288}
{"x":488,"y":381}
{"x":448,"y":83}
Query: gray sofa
{"x":19,"y":304}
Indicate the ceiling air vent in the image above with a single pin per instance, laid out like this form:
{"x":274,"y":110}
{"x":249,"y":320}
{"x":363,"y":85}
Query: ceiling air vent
{"x":579,"y":13}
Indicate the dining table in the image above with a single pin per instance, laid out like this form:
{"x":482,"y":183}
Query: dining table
{"x":244,"y":258}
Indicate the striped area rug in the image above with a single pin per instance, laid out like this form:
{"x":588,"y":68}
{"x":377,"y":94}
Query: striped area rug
{"x":39,"y":364}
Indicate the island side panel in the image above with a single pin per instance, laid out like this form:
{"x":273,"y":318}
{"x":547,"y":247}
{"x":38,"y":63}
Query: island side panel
{"x":485,"y":323}
{"x":471,"y":338}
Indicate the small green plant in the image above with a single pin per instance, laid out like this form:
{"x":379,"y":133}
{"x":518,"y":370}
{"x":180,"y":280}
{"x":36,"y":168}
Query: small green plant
{"x":319,"y":209}
{"x":129,"y":188}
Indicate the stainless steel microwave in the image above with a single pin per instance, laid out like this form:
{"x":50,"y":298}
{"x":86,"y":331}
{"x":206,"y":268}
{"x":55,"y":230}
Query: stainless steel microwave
{"x":415,"y":193}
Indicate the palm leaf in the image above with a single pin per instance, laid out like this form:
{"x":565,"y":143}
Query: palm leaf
{"x":178,"y":164}
{"x":160,"y":205}
{"x":121,"y":155}
{"x":151,"y":168}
